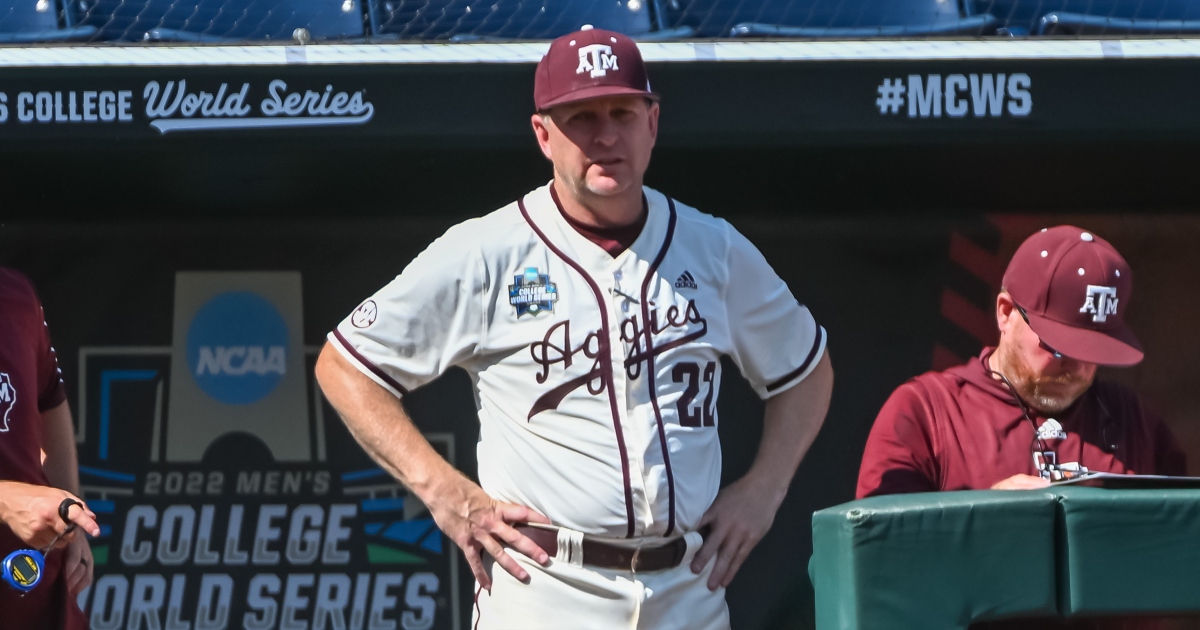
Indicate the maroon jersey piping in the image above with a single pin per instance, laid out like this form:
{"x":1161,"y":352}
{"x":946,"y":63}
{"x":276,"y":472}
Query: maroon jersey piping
{"x":649,"y":354}
{"x":606,"y":371}
{"x":812,"y":354}
{"x":370,"y":366}
{"x":478,"y":613}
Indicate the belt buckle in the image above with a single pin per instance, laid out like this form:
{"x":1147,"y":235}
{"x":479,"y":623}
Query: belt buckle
{"x":633,"y":562}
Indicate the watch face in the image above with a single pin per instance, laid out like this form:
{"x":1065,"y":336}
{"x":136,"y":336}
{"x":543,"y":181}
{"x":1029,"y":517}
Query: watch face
{"x":23,"y":569}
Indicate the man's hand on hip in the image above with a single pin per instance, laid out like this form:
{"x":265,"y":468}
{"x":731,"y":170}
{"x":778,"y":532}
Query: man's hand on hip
{"x":745,"y":509}
{"x":477,"y":523}
{"x":737,"y":520}
{"x":463,"y":511}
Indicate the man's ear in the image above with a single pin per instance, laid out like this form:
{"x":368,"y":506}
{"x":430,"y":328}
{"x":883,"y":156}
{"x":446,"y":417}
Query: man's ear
{"x":653,"y":119}
{"x":1005,"y":311}
{"x":541,"y":131}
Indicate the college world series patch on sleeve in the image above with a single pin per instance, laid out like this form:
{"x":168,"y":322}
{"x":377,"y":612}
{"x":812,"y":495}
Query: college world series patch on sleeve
{"x":532,"y":292}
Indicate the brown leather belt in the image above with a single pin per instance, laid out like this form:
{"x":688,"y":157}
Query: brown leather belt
{"x":608,"y":556}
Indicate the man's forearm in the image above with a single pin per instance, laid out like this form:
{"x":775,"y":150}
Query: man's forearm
{"x":477,"y":523}
{"x":58,"y":441}
{"x":379,"y":423}
{"x":8,"y":489}
{"x":745,"y":509}
{"x":791,"y":421}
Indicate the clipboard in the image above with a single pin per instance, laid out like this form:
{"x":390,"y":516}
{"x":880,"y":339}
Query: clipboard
{"x":1116,"y":481}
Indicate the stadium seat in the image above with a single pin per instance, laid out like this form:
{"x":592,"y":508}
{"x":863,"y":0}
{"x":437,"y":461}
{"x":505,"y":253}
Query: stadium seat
{"x":221,"y":20}
{"x":1079,"y":24}
{"x":484,"y":20}
{"x":1092,"y":17}
{"x":828,"y":18}
{"x":26,"y":21}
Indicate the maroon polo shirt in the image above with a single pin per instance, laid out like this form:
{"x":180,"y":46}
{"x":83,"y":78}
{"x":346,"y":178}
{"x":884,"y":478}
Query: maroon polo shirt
{"x":30,"y":384}
{"x":961,"y":429}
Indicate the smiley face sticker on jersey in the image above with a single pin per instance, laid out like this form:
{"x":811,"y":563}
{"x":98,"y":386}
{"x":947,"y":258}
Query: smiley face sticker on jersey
{"x":365,"y":314}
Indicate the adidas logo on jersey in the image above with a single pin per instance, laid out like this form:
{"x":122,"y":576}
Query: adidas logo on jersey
{"x":685,"y":281}
{"x":1051,"y":430}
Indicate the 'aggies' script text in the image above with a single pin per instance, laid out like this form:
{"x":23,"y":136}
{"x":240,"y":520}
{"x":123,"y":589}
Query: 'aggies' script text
{"x":556,"y":347}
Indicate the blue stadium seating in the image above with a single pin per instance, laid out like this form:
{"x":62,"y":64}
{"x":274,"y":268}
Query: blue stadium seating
{"x":220,"y":20}
{"x":828,"y":18}
{"x":1092,"y":17}
{"x":1078,"y":24}
{"x":23,"y":21}
{"x":473,"y":20}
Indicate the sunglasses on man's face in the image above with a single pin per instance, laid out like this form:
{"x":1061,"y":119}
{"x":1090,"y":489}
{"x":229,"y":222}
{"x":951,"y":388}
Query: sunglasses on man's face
{"x":1041,"y":344}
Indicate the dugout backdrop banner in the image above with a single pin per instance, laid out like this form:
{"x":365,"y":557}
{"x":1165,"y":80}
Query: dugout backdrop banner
{"x":480,"y":104}
{"x":230,"y":495}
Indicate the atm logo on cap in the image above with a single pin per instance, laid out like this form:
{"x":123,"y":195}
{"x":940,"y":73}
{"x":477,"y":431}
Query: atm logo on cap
{"x":237,"y":348}
{"x":1101,"y":302}
{"x":596,"y":59}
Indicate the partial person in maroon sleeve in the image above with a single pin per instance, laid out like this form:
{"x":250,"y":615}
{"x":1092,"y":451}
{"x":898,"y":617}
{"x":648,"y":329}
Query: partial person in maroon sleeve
{"x":38,"y":469}
{"x":1030,"y":409}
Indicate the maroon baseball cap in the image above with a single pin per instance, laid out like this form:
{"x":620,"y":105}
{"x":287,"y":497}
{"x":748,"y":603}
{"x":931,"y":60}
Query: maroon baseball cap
{"x":589,"y":63}
{"x":1074,"y":288}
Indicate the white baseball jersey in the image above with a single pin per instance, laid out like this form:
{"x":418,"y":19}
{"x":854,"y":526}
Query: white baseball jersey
{"x":595,"y":377}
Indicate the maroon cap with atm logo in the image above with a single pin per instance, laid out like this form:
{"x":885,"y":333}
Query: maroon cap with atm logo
{"x":588,"y":64}
{"x":1075,"y":288}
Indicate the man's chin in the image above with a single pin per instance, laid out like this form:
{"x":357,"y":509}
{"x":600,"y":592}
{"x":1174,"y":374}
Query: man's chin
{"x":605,"y":187}
{"x":1049,"y":406}
{"x":1054,"y":402}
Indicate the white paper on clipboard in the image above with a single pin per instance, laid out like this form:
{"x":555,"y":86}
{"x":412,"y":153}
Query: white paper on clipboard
{"x":1116,"y":481}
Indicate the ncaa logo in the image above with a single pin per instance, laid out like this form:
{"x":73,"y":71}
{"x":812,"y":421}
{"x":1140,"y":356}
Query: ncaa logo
{"x":237,"y":348}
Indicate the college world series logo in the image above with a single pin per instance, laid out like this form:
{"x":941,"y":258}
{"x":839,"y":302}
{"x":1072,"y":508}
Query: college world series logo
{"x":532,"y":292}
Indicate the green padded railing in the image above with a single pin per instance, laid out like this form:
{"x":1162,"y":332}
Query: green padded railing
{"x":1129,"y":551}
{"x":937,"y":560}
{"x":946,"y":560}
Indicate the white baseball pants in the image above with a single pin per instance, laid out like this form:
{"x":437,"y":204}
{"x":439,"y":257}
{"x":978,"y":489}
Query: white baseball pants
{"x":567,"y":595}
